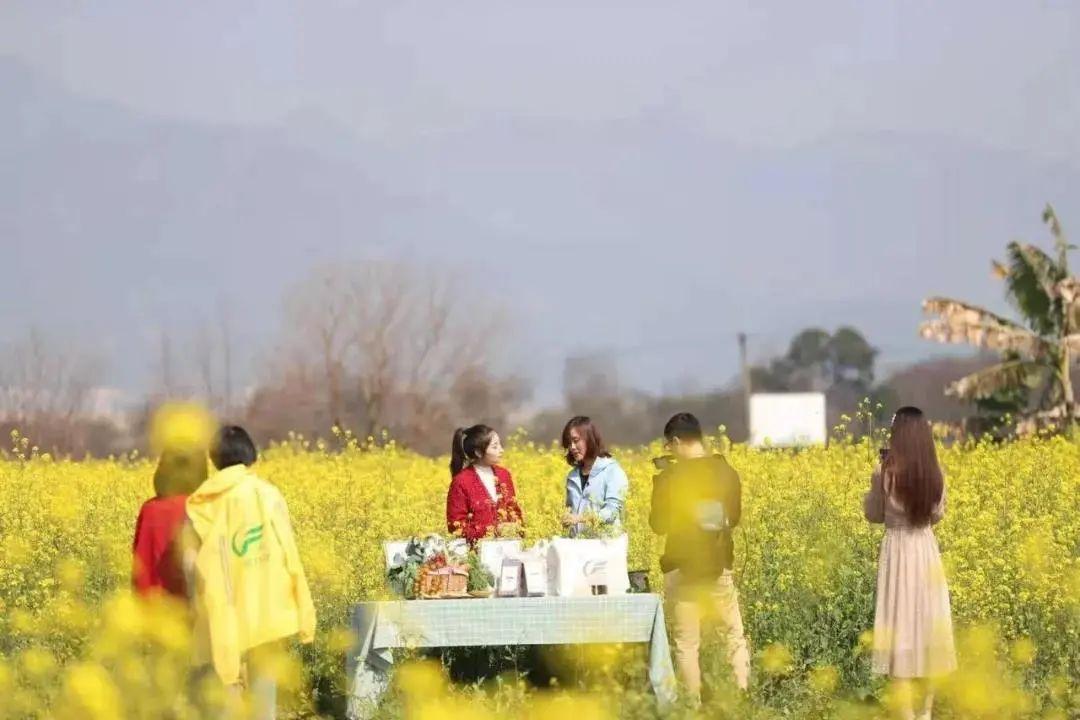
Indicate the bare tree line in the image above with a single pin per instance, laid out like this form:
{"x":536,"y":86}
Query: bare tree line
{"x":46,"y":389}
{"x":199,"y":366}
{"x":378,"y":348}
{"x":369,"y":347}
{"x":387,"y":346}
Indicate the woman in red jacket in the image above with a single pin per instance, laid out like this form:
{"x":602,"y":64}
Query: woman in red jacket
{"x":481,"y":501}
{"x":156,"y":565}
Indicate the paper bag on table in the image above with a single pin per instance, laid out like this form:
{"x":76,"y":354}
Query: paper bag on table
{"x":536,"y":581}
{"x":534,"y":570}
{"x":510,"y":578}
{"x":575,"y":567}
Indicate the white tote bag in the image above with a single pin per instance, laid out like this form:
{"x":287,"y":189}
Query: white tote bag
{"x":576,"y":566}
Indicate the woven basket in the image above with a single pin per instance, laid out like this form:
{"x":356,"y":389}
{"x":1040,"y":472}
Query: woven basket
{"x":451,"y":581}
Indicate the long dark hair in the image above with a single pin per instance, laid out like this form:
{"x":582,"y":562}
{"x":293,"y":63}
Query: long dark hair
{"x":179,"y":473}
{"x":469,"y":445}
{"x":594,"y":443}
{"x":913,"y":466}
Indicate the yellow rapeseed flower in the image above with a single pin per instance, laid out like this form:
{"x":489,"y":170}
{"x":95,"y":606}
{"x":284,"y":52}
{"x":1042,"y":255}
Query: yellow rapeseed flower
{"x":776,"y":659}
{"x":1023,"y":651}
{"x":37,"y":662}
{"x":89,"y":692}
{"x":824,"y":679}
{"x":805,"y":566}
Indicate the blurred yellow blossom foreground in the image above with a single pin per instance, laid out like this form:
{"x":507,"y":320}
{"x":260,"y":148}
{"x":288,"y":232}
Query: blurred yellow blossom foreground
{"x":75,"y":644}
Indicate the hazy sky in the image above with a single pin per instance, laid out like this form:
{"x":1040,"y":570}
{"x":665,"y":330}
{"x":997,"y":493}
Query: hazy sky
{"x":645,"y":179}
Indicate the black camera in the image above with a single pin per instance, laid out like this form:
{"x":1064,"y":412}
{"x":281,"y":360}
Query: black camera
{"x":663,"y":462}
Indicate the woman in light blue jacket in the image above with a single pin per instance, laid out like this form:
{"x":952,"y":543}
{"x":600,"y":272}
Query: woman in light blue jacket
{"x":596,"y":484}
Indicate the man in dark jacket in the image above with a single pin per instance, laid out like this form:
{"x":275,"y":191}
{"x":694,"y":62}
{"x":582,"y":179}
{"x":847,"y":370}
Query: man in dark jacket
{"x":696,"y":501}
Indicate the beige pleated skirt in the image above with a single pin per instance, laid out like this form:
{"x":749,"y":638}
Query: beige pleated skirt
{"x":913,"y":634}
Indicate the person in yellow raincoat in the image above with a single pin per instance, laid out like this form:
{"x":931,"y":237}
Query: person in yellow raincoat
{"x":249,"y":587}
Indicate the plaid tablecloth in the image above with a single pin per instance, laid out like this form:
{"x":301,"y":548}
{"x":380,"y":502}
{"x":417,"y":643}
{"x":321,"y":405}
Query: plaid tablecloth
{"x":380,"y":627}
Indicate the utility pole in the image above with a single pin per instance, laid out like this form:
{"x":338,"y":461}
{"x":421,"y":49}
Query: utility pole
{"x":226,"y":355}
{"x":166,"y":365}
{"x":744,"y":368}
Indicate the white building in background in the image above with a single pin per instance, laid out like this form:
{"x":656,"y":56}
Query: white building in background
{"x":787,"y":419}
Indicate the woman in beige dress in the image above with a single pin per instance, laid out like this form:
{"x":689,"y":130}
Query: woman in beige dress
{"x":913,"y":636}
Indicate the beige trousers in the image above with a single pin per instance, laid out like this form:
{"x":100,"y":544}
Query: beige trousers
{"x":692,"y":606}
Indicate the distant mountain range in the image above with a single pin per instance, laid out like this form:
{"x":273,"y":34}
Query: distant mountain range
{"x":114,"y":223}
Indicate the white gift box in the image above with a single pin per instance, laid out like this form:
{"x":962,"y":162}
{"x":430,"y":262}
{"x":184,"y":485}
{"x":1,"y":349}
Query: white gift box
{"x":576,"y":566}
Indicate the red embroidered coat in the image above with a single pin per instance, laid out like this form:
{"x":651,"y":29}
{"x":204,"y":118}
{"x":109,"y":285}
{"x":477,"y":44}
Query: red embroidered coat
{"x":472,"y":513}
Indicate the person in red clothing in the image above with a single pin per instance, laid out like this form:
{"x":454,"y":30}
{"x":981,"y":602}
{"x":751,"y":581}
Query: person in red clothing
{"x":481,"y":501}
{"x":156,"y":566}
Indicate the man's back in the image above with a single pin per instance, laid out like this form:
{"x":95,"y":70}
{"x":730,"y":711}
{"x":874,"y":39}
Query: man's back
{"x":695,"y":503}
{"x":251,"y":587}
